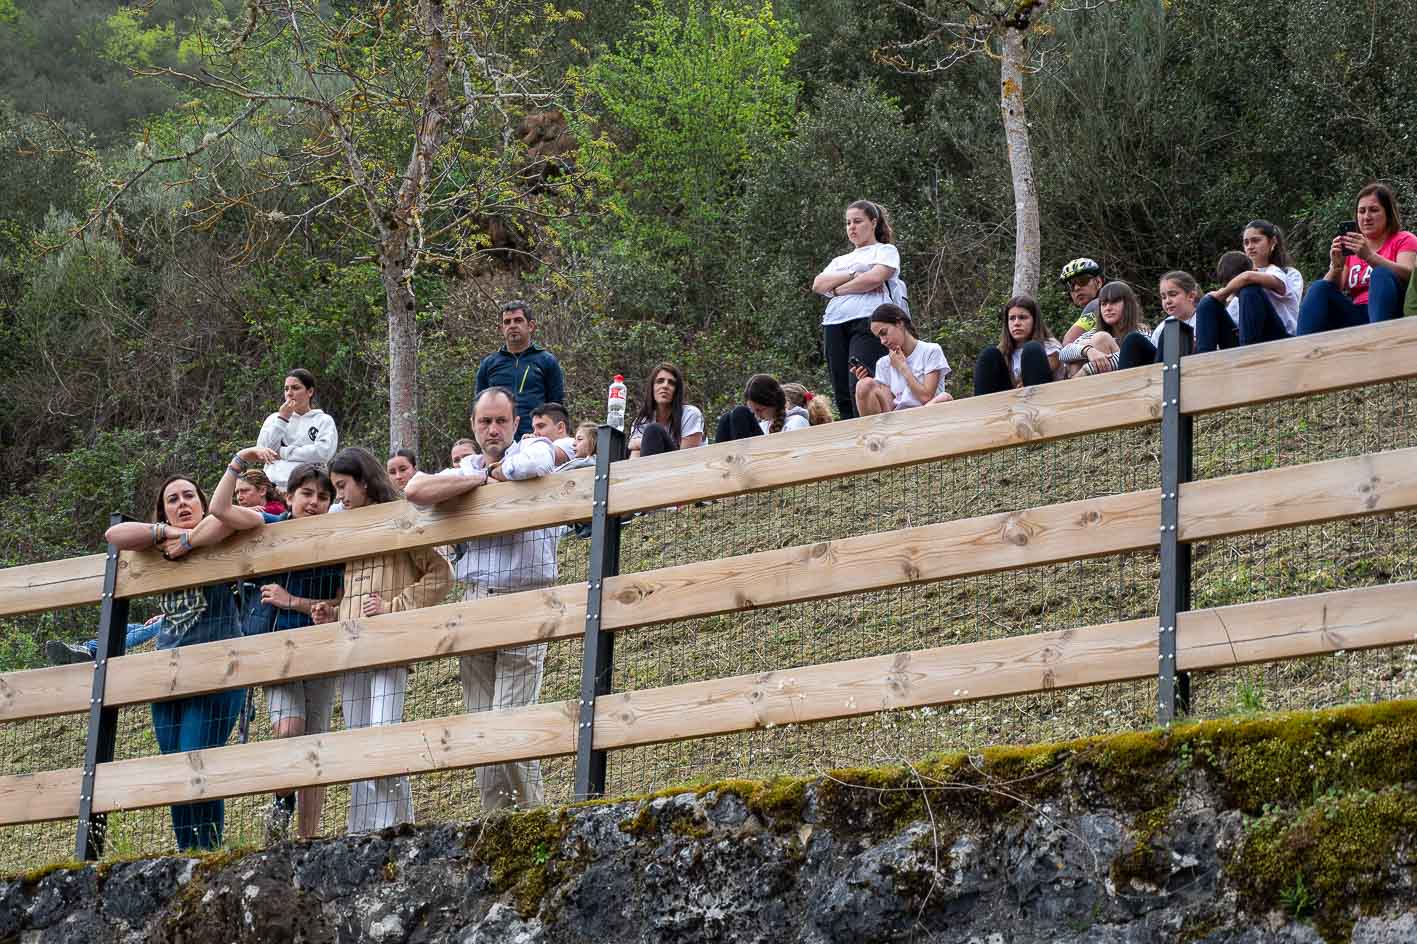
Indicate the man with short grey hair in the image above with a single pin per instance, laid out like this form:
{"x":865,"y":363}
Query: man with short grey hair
{"x":504,"y":563}
{"x":532,"y":373}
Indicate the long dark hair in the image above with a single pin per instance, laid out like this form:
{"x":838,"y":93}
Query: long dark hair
{"x":764,"y":389}
{"x":876,"y":214}
{"x":1040,"y":331}
{"x":676,"y":406}
{"x":1389,"y":201}
{"x":360,"y":465}
{"x":160,"y":512}
{"x":1280,"y":255}
{"x":1131,"y":310}
{"x":894,"y":314}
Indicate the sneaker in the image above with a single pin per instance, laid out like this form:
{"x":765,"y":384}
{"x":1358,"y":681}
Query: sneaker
{"x":278,"y":820}
{"x":65,"y":653}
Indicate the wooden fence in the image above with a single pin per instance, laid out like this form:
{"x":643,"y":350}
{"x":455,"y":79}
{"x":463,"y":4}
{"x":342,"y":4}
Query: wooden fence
{"x":1177,"y":641}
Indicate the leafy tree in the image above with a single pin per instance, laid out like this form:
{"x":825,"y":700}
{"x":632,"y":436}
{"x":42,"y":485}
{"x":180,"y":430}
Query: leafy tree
{"x":684,"y":101}
{"x":395,"y":127}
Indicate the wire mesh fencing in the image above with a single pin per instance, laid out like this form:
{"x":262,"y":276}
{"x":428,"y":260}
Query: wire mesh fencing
{"x":987,"y":606}
{"x":43,"y":744}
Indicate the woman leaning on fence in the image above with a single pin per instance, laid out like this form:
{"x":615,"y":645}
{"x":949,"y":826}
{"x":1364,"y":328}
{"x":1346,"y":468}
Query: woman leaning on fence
{"x":384,"y":583}
{"x":191,"y":615}
{"x":284,"y":602}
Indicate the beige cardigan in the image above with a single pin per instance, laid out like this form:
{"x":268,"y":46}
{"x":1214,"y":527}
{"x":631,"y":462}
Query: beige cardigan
{"x":405,"y":580}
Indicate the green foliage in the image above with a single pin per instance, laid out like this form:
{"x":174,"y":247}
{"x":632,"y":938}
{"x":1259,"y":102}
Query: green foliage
{"x":684,"y":101}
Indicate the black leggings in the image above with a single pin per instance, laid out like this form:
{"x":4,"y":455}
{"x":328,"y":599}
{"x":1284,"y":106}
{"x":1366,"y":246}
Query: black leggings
{"x":655,"y":438}
{"x":737,"y":423}
{"x":993,"y":373}
{"x":840,"y":342}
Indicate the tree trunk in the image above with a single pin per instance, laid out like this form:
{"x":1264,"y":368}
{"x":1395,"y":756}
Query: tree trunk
{"x":402,"y":310}
{"x":1027,"y":241}
{"x":402,"y":236}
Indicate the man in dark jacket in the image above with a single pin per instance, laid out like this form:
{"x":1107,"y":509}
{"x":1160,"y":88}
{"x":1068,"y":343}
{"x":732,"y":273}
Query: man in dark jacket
{"x":531,"y":372}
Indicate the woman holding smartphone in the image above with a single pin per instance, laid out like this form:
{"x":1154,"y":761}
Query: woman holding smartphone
{"x":1368,"y":270}
{"x":855,"y":284}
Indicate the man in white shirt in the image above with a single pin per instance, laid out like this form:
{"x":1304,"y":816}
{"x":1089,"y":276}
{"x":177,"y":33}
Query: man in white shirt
{"x":522,"y":560}
{"x":551,"y":421}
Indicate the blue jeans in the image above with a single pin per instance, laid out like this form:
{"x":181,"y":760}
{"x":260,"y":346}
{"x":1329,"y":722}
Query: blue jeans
{"x":1259,"y":322}
{"x":1325,"y":307}
{"x":137,"y":635}
{"x":194,"y":724}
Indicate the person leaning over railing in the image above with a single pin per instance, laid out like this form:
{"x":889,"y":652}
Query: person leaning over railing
{"x":287,"y":602}
{"x":192,"y":615}
{"x":1026,"y":355}
{"x":254,"y":490}
{"x":506,"y":563}
{"x":1099,"y":350}
{"x":1368,"y":271}
{"x":551,"y":421}
{"x":384,"y":583}
{"x":665,"y":423}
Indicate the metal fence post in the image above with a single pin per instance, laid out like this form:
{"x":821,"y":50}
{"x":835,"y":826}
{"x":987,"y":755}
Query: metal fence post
{"x":103,"y":721}
{"x":1173,"y":688}
{"x":598,"y":659}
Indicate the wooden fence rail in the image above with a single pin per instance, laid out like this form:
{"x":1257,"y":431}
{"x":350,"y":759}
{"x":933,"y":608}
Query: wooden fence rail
{"x":1219,"y":637}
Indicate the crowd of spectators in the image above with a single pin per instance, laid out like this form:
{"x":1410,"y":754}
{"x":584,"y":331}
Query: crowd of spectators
{"x":521,"y":429}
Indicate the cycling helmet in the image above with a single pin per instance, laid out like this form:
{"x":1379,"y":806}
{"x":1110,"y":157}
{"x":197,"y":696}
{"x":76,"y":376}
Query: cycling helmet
{"x":1082,"y":266}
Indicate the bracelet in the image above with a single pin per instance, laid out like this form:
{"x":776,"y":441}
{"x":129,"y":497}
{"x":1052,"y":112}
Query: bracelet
{"x":186,"y":540}
{"x":238,"y":464}
{"x":159,"y":533}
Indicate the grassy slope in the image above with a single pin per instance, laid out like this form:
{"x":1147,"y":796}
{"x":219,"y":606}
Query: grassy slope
{"x":1304,"y":560}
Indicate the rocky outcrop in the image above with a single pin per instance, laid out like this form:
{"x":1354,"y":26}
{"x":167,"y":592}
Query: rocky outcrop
{"x":1298,"y":829}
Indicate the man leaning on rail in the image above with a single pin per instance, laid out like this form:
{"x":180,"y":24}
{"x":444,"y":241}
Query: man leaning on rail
{"x":506,"y":563}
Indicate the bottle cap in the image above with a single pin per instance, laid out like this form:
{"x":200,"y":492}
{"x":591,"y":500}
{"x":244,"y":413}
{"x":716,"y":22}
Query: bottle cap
{"x":619,"y":378}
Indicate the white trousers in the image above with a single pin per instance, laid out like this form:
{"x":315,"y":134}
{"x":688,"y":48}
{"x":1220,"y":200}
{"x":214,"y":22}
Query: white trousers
{"x":372,"y":699}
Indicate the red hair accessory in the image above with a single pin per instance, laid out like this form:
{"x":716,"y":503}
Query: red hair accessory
{"x":807,"y":397}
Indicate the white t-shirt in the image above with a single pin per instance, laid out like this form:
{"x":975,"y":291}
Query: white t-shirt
{"x":1286,"y":303}
{"x":1161,"y":328}
{"x":691,"y":421}
{"x":925,"y":358}
{"x":845,"y":308}
{"x":1051,"y":346}
{"x":795,"y":418}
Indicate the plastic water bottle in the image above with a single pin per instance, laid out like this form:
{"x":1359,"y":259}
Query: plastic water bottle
{"x":615,"y":405}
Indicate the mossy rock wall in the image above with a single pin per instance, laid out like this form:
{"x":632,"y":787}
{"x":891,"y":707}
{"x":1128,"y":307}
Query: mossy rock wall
{"x":1294,"y":828}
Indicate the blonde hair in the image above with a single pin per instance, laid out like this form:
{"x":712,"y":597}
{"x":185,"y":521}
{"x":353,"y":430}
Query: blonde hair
{"x":592,"y":429}
{"x":817,"y":410}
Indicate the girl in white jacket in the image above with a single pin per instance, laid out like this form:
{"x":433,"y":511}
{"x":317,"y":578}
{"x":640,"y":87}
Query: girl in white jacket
{"x":298,"y":432}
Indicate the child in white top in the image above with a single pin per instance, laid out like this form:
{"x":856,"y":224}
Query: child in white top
{"x":911,"y":372}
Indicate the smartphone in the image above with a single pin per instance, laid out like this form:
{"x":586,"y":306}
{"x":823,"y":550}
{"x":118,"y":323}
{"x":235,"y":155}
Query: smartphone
{"x":1347,"y":226}
{"x":854,"y":362}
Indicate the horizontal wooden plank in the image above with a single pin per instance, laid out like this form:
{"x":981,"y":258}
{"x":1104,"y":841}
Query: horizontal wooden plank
{"x":1294,"y":627}
{"x":962,"y":427}
{"x":1207,"y":639}
{"x":54,"y":585}
{"x":1299,"y":494}
{"x":485,"y":737}
{"x":1005,"y":541}
{"x":40,"y":693}
{"x":1296,"y":367}
{"x":969,"y":672}
{"x":34,"y":798}
{"x":496,"y":622}
{"x":395,"y":526}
